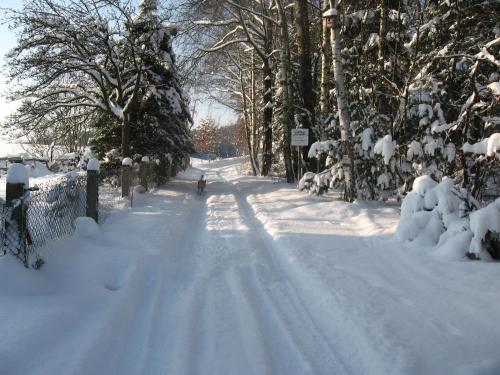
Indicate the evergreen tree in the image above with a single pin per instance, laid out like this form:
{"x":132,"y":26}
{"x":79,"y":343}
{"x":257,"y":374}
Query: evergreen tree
{"x":160,"y":114}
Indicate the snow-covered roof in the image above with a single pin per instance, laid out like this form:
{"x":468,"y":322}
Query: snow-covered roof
{"x":15,"y":151}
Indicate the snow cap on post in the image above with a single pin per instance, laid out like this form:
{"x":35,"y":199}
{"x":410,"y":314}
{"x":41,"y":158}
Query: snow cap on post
{"x":17,"y":174}
{"x":127,"y":162}
{"x":93,"y":165}
{"x":145,"y":159}
{"x":330,"y":13}
{"x":328,"y":17}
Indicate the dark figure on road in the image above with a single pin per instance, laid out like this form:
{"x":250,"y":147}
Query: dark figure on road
{"x":201,"y":184}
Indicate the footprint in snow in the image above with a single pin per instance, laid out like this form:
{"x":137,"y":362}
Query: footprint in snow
{"x":120,"y":279}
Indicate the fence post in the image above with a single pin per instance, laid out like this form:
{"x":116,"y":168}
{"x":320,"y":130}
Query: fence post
{"x":144,"y":171}
{"x":126,"y":169}
{"x":17,"y":181}
{"x":93,"y":189}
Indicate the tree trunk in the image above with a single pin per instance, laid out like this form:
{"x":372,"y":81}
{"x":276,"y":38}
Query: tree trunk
{"x":248,"y":124}
{"x":267,"y":116}
{"x":125,"y":153}
{"x":253,"y":119}
{"x":304,"y":55}
{"x":324,"y":87}
{"x":343,"y":108}
{"x":382,"y":31}
{"x":287,"y":110}
{"x":125,"y":136}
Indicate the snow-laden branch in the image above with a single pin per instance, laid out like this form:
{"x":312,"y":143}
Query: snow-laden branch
{"x":216,"y":23}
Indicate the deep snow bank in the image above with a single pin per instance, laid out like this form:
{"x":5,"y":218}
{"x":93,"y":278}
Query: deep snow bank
{"x":447,"y":217}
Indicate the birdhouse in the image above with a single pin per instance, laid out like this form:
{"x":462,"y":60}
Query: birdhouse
{"x":328,"y":16}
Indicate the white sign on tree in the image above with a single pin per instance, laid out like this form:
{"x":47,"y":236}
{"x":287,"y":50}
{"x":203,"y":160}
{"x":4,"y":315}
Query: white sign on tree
{"x":300,"y":137}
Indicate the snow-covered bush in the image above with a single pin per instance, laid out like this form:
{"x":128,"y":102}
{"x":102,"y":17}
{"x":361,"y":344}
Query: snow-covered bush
{"x":316,"y":184}
{"x":449,"y":218}
{"x":485,"y":226}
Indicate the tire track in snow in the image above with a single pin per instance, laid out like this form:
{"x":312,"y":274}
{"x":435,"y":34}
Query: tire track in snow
{"x":279,"y":334}
{"x":346,"y":330}
{"x":288,"y":297}
{"x":235,"y":310}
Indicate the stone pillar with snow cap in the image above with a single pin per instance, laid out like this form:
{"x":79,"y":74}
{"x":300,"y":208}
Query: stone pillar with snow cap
{"x":126,"y":170}
{"x":17,"y":185}
{"x":93,"y":188}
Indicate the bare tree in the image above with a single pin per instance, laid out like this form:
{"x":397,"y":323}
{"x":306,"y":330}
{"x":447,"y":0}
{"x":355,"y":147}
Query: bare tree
{"x":249,"y":25}
{"x":76,"y":54}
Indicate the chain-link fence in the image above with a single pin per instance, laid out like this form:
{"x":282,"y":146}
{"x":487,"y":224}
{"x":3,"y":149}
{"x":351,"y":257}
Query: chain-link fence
{"x":29,"y":218}
{"x":7,"y":242}
{"x":53,"y":208}
{"x":43,"y":213}
{"x":140,"y":176}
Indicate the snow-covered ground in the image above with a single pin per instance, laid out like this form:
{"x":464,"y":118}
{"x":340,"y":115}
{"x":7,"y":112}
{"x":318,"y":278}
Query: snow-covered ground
{"x":250,"y":278}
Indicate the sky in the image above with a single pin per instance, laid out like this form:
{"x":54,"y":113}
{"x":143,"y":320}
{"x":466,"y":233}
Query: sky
{"x":205,"y":109}
{"x":7,"y":42}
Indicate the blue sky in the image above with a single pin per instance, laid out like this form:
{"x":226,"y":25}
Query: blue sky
{"x":8,"y":41}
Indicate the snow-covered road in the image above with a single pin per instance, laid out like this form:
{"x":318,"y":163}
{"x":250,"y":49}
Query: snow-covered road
{"x":250,"y":278}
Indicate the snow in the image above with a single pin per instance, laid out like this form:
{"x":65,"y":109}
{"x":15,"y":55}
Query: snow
{"x":493,"y":146}
{"x":489,"y":146}
{"x":93,"y":165}
{"x":383,"y":181}
{"x":450,"y":152}
{"x":414,"y":150}
{"x":425,"y":110}
{"x":86,"y":227}
{"x":127,"y":162}
{"x":37,"y":169}
{"x":366,"y":138}
{"x":330,"y":13}
{"x":145,"y":159}
{"x":116,"y":109}
{"x":482,"y":221}
{"x":373,"y":41}
{"x":306,"y":178}
{"x":385,"y":147}
{"x":17,"y":174}
{"x":432,"y":144}
{"x":320,"y":147}
{"x":174,"y":99}
{"x":14,"y":150}
{"x":252,"y":278}
{"x":437,"y":215}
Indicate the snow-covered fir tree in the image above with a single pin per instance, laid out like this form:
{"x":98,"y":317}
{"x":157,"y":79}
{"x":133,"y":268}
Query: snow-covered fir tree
{"x":421,"y":78}
{"x":160,"y":116}
{"x":163,"y":114}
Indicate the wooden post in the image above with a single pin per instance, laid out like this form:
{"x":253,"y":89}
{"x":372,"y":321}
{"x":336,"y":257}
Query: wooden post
{"x":15,"y":191}
{"x":125,"y":180}
{"x":298,"y":163}
{"x":126,"y":176}
{"x":92,"y":194}
{"x":143,"y":174}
